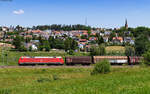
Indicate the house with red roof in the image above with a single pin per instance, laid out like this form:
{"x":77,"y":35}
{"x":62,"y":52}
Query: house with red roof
{"x":117,"y":40}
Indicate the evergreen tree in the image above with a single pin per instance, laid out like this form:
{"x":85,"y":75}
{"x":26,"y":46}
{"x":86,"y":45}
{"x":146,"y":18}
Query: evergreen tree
{"x":17,"y":42}
{"x":100,"y":39}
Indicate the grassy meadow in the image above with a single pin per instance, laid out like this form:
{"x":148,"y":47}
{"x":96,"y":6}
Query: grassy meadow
{"x":127,"y":80}
{"x":115,"y":50}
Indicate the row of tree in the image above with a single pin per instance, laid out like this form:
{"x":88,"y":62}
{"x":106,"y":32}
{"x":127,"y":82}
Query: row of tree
{"x":52,"y":43}
{"x":56,"y":43}
{"x":62,"y":27}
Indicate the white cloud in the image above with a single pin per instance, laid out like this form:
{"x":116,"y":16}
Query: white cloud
{"x":18,"y":12}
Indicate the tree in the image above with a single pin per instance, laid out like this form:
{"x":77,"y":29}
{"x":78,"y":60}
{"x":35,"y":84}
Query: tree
{"x":67,"y":44}
{"x":147,"y":58}
{"x":70,"y":44}
{"x":56,"y":43}
{"x":22,"y":48}
{"x":30,"y":48}
{"x":46,"y":45}
{"x":98,"y":51}
{"x":89,"y":32}
{"x":129,"y":51}
{"x":41,"y":47}
{"x":17,"y":42}
{"x":141,"y":30}
{"x":142,"y":44}
{"x":41,"y":40}
{"x":74,"y":45}
{"x":19,"y":28}
{"x":111,"y":36}
{"x":71,"y":52}
{"x":100,"y":39}
{"x":59,"y":27}
{"x":51,"y":41}
{"x":28,"y":40}
{"x":84,"y":37}
{"x":0,"y":28}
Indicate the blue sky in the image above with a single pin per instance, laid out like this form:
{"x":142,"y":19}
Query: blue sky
{"x":99,"y":13}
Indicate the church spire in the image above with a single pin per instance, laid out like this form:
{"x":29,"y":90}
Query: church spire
{"x":126,"y":24}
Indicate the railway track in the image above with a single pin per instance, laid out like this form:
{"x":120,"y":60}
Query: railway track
{"x":116,"y":66}
{"x":46,"y":66}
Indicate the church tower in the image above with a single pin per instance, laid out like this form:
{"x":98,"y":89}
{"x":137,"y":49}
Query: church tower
{"x":126,"y":24}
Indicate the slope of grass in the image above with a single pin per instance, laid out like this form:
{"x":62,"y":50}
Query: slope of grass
{"x":74,"y":81}
{"x":115,"y":50}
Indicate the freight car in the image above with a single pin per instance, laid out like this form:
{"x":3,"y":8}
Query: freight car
{"x":112,"y":59}
{"x":41,"y":60}
{"x":84,"y":60}
{"x":133,"y":60}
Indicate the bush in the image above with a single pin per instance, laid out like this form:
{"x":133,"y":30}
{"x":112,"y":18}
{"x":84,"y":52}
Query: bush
{"x":101,"y":67}
{"x":55,"y":77}
{"x":5,"y":91}
{"x":71,"y":52}
{"x":146,"y":58}
{"x":143,"y":64}
{"x":41,"y":80}
{"x":22,"y":49}
{"x":47,"y":48}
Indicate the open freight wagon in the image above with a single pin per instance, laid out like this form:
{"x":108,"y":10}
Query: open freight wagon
{"x":112,"y":59}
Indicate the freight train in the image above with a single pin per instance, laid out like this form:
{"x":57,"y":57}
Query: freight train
{"x":73,"y":60}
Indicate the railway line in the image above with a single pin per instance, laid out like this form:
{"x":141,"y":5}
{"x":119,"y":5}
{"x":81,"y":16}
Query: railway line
{"x":113,"y":66}
{"x":74,"y":62}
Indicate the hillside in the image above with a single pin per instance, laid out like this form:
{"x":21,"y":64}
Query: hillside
{"x":115,"y":50}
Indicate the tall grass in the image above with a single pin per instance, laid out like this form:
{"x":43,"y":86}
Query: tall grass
{"x":132,"y":80}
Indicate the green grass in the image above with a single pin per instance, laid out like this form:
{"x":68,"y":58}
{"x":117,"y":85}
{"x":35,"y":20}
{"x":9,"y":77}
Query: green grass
{"x":74,"y":81}
{"x":13,"y":57}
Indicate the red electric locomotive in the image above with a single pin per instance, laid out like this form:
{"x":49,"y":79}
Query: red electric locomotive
{"x":41,"y":60}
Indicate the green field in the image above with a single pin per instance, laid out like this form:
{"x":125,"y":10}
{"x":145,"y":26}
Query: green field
{"x":74,"y":81}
